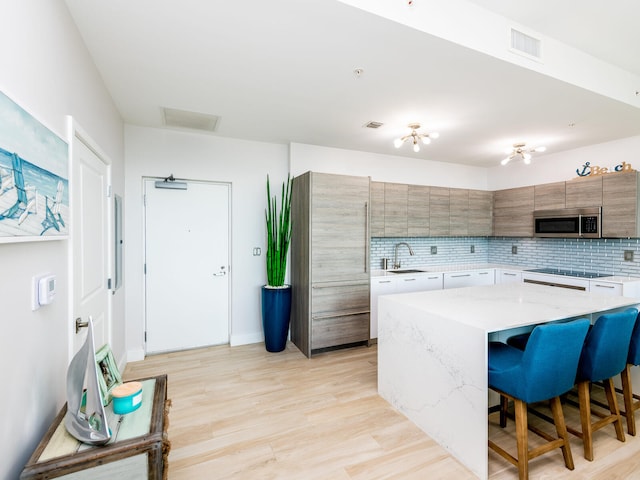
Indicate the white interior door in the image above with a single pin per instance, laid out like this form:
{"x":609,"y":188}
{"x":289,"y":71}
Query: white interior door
{"x":90,"y":252}
{"x":187,"y":266}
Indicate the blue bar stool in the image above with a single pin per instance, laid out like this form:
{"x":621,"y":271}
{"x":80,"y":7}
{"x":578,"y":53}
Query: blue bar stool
{"x":633,"y":359}
{"x":545,"y":370}
{"x":604,"y":356}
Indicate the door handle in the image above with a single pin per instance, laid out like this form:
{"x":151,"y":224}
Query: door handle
{"x":221,"y":273}
{"x":80,"y":324}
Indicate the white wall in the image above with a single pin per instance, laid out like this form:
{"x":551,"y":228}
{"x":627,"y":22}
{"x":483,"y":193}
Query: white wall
{"x":558,"y":167}
{"x":47,"y":71}
{"x":385,"y":168}
{"x":194,"y":156}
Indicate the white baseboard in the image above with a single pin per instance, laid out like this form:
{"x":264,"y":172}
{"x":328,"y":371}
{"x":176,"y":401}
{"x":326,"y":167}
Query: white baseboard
{"x":135,"y":355}
{"x":246,"y":339}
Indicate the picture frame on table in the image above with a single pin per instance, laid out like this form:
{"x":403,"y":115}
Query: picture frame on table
{"x":108,"y":374}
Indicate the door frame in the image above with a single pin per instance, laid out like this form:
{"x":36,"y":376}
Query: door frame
{"x":75,"y":133}
{"x":146,"y":178}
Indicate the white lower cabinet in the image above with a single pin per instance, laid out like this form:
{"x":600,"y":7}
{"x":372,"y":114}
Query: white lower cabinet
{"x":471,"y":278}
{"x":399,"y":284}
{"x":418,"y":283}
{"x":379,"y":286}
{"x":508,"y":276}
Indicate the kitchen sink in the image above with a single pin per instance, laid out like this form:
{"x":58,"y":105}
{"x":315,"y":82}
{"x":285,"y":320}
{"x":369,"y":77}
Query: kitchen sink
{"x":406,"y":270}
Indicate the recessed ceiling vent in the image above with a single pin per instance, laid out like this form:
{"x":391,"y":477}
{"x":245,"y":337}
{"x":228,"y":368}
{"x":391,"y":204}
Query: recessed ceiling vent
{"x":526,"y":44}
{"x":191,"y":120}
{"x":373,"y":124}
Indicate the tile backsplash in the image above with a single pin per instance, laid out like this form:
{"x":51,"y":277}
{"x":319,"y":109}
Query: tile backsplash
{"x":606,"y":256}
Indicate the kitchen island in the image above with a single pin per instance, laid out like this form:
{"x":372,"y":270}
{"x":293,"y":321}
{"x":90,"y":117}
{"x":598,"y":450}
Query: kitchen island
{"x":432,"y":353}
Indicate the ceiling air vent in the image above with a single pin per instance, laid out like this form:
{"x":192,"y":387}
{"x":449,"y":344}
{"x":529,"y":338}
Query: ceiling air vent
{"x":190,"y":120}
{"x":526,"y":44}
{"x":373,"y":124}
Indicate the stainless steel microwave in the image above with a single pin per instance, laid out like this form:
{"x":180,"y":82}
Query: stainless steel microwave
{"x":568,"y":223}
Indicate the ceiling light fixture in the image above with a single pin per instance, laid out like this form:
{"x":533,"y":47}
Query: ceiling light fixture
{"x":415,"y":137}
{"x":520,"y":152}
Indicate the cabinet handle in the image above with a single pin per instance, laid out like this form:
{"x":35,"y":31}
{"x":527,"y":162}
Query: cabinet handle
{"x":339,"y":314}
{"x":458,"y":276}
{"x":483,"y":273}
{"x":409,"y":279}
{"x":433,"y":278}
{"x":509,"y":274}
{"x":384,"y":281}
{"x":603,"y":286}
{"x":366,"y":236}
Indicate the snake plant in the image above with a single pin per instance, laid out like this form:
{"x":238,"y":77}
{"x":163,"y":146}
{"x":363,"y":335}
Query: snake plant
{"x":278,"y":233}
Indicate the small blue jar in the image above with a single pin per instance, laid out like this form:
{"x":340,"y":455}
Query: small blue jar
{"x":127,"y":397}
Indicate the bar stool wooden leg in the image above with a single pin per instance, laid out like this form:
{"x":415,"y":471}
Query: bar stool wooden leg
{"x":613,"y":408}
{"x":584,"y":399}
{"x":504,"y":405}
{"x":627,"y":393}
{"x":561,"y":429}
{"x":522,"y":438}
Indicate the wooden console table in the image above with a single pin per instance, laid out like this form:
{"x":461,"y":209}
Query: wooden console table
{"x":138,"y":447}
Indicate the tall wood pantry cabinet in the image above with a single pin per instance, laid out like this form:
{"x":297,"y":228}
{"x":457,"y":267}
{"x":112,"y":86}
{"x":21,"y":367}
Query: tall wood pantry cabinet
{"x":329,"y":261}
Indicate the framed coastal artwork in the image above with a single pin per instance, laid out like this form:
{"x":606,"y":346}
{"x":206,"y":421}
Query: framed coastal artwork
{"x":34,"y":178}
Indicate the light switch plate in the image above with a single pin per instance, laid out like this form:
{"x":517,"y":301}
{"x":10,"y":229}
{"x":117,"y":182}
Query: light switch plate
{"x":514,"y":249}
{"x":434,"y":250}
{"x":628,"y":255}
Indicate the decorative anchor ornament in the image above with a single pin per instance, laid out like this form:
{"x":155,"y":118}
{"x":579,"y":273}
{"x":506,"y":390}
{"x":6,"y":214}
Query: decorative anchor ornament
{"x":88,"y":424}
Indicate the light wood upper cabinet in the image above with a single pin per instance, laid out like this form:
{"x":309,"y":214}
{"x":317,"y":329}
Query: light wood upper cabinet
{"x":549,"y":196}
{"x":480,"y":213}
{"x":583,"y":192}
{"x":458,"y":211}
{"x":418,"y":211}
{"x":377,"y":209}
{"x":439,"y":221}
{"x":513,"y":212}
{"x":620,"y":209}
{"x":395,"y":209}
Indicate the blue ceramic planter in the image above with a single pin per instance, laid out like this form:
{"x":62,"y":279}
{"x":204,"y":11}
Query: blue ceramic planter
{"x":276,"y":309}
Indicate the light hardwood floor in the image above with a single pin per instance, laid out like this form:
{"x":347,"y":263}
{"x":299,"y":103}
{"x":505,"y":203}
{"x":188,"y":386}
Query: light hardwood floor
{"x":244,"y":413}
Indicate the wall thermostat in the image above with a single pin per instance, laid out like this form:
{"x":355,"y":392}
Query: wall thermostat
{"x":44,"y":291}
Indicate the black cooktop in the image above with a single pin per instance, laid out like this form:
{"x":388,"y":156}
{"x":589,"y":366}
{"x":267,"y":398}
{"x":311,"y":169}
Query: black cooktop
{"x":569,"y":273}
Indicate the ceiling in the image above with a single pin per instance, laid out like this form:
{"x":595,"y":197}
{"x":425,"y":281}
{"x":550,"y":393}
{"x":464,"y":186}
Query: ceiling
{"x":284,"y":71}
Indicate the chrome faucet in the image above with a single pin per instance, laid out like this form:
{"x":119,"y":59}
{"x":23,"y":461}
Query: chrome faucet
{"x":396,"y":264}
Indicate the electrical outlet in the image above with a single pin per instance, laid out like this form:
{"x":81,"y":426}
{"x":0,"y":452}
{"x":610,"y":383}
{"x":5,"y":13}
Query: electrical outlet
{"x":257,"y":251}
{"x":434,"y":250}
{"x":628,"y":255}
{"x":473,"y":249}
{"x":514,"y":249}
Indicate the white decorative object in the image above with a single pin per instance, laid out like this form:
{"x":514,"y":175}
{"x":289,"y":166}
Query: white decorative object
{"x":87,"y":422}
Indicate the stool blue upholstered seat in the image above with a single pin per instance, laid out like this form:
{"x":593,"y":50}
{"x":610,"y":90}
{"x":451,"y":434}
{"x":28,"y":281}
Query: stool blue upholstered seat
{"x":545,"y":370}
{"x":604,"y":356}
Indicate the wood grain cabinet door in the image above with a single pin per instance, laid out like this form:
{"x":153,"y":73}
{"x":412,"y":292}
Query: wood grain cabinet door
{"x":583,"y":192}
{"x":620,"y":205}
{"x":513,"y":212}
{"x":549,"y":196}
{"x":339,"y":228}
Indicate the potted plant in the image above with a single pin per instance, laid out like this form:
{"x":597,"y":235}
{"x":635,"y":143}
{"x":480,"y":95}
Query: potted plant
{"x":276,"y":296}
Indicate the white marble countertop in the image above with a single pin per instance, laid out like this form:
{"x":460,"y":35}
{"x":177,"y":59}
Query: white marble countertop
{"x":482,"y":266}
{"x":499,"y":307}
{"x":450,"y":268}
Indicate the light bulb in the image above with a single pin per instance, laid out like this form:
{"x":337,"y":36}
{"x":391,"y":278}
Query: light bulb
{"x":416,"y":147}
{"x":434,"y":135}
{"x":398,"y":142}
{"x":505,"y":161}
{"x":426,"y":140}
{"x":539,"y":149}
{"x":527,"y":158}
